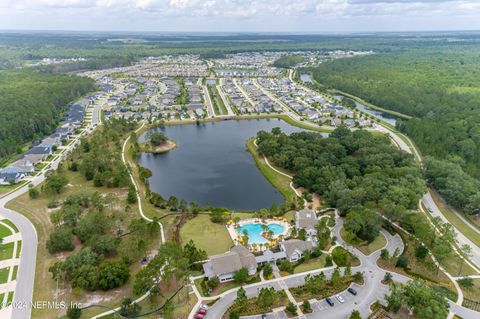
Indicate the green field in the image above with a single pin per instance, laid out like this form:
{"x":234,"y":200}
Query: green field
{"x":280,"y":182}
{"x":211,"y":237}
{"x":4,"y":275}
{"x":15,"y":271}
{"x":6,"y":251}
{"x":311,"y":264}
{"x":4,"y":231}
{"x":367,"y":248}
{"x":9,"y":223}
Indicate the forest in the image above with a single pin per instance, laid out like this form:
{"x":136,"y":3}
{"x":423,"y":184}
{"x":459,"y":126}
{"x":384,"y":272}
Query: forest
{"x":32,"y":104}
{"x":352,"y":171}
{"x":438,"y":86}
{"x":288,"y":61}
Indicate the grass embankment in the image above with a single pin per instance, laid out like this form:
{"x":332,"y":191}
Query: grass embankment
{"x":455,"y":221}
{"x":279,"y":181}
{"x":209,"y":236}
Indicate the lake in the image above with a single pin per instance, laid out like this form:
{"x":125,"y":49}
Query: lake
{"x":211,"y":165}
{"x":387,"y":118}
{"x":306,"y":78}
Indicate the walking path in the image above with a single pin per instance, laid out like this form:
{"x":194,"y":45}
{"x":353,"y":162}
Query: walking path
{"x":140,"y":209}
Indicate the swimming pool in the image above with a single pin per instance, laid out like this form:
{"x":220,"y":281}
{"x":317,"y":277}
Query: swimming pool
{"x":255,"y":231}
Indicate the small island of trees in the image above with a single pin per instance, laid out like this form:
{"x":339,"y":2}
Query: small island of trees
{"x":157,"y":143}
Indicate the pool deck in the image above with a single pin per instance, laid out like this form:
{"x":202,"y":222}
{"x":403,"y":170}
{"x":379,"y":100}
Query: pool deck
{"x":233,"y":234}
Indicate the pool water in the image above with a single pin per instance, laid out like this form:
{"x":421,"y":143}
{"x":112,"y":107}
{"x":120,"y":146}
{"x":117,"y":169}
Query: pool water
{"x":255,"y":232}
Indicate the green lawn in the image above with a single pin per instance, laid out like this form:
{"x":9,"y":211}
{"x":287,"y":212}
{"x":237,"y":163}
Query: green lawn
{"x":220,"y":100}
{"x":9,"y":223}
{"x":15,"y":271}
{"x":6,"y":251}
{"x":279,"y":181}
{"x":4,"y":275}
{"x":2,"y":295}
{"x":365,"y":248}
{"x":311,"y":264}
{"x":19,"y":249}
{"x":10,"y":297}
{"x":4,"y":231}
{"x":211,"y":237}
{"x":455,"y":221}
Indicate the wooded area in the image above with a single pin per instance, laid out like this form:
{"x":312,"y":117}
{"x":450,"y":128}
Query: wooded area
{"x":439,"y":86}
{"x":32,"y":104}
{"x":351,"y":170}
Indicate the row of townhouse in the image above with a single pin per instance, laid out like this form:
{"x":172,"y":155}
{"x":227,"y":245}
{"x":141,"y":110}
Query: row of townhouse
{"x":41,"y":150}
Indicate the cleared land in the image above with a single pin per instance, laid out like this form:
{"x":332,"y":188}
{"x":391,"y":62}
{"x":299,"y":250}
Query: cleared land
{"x":211,"y":237}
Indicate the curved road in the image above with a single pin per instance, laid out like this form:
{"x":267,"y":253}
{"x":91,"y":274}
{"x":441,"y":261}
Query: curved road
{"x":22,"y":297}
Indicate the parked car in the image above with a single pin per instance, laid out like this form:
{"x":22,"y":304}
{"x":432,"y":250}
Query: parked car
{"x":340,"y":298}
{"x":205,"y":307}
{"x":198,"y":316}
{"x":352,"y":291}
{"x":330,"y":302}
{"x":202,"y":311}
{"x":264,"y":316}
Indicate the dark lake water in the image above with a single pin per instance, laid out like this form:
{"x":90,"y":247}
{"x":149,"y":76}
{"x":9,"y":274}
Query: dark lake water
{"x":388,"y":118}
{"x":211,"y":165}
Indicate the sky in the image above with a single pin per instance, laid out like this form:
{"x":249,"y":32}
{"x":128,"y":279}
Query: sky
{"x":308,"y":16}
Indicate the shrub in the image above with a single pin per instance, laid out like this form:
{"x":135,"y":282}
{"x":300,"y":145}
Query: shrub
{"x":33,"y":193}
{"x":384,"y":254}
{"x":465,"y":282}
{"x":421,"y":251}
{"x":112,"y":274}
{"x":306,"y":307}
{"x":291,"y":308}
{"x":60,"y":240}
{"x":213,"y":282}
{"x":402,"y":262}
{"x":241,"y":275}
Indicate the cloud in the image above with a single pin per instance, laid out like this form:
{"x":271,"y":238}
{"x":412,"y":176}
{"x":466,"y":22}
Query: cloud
{"x":217,"y":13}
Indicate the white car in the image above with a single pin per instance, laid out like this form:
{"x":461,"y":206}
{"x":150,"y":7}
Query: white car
{"x":340,"y":298}
{"x":204,"y":307}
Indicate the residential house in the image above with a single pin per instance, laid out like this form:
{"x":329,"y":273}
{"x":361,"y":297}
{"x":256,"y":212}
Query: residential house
{"x":306,"y":219}
{"x":294,"y":248}
{"x":225,"y":265}
{"x":7,"y":178}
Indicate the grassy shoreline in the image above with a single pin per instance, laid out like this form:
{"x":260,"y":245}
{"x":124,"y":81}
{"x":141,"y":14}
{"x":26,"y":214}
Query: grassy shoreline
{"x":280,"y":182}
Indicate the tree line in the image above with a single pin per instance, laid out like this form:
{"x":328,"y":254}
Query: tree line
{"x":439,"y":86}
{"x":32,"y":104}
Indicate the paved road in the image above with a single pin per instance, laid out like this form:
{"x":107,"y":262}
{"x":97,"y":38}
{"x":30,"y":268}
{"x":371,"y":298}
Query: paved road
{"x":26,"y":271}
{"x":462,"y":239}
{"x":369,"y":292}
